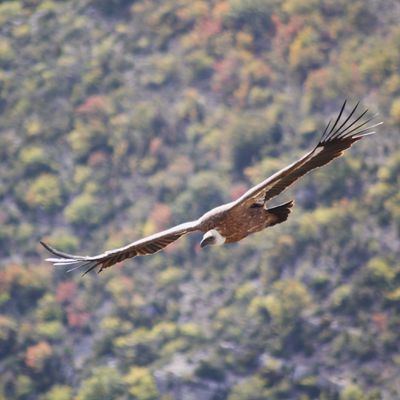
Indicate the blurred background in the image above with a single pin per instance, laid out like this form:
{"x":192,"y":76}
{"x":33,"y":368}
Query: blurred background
{"x":122,"y":117}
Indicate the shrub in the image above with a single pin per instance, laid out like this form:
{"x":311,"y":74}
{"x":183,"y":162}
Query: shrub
{"x":352,"y":392}
{"x":33,"y":126}
{"x":163,"y":71}
{"x":250,"y":147}
{"x":205,"y":189}
{"x":45,"y":191}
{"x":24,"y":386}
{"x":6,"y":52}
{"x":48,"y":309}
{"x":200,"y":64}
{"x":141,"y":384}
{"x":38,"y":355}
{"x":9,"y":10}
{"x":59,"y":392}
{"x":341,"y":296}
{"x":286,"y":301}
{"x":395,"y":111}
{"x":379,"y":271}
{"x":104,"y":384}
{"x":250,"y":389}
{"x":51,"y":330}
{"x":83,"y":210}
{"x":305,"y":51}
{"x":33,"y":159}
{"x":171,"y":275}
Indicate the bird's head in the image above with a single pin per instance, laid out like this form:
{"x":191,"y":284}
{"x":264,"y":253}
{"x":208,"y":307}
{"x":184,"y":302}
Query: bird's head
{"x":212,"y":237}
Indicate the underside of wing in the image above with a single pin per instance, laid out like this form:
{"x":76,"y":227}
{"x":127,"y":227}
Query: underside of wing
{"x":148,"y":245}
{"x":336,"y":138}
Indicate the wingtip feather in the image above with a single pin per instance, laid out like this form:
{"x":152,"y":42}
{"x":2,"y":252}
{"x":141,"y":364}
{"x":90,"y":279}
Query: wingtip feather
{"x":350,"y":129}
{"x":69,"y":260}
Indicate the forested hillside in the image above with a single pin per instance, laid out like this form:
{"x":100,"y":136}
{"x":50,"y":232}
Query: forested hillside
{"x":119,"y":118}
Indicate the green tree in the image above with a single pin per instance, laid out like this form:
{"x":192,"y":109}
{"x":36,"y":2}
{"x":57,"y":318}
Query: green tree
{"x":104,"y":384}
{"x":141,"y":384}
{"x":45,"y":191}
{"x":59,"y":392}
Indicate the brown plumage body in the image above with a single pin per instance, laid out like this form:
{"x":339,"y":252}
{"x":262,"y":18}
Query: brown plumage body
{"x":240,"y":222}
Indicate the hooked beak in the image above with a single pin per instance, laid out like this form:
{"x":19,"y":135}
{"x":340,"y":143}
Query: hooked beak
{"x":206,"y":241}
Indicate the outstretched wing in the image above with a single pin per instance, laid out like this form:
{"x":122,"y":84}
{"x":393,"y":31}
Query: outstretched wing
{"x":148,"y":245}
{"x":334,"y":140}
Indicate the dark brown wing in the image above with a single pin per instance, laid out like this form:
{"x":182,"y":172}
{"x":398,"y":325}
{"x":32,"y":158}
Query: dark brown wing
{"x":334,"y":140}
{"x":148,"y":245}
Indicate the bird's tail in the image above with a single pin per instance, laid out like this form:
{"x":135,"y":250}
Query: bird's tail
{"x":281,"y":212}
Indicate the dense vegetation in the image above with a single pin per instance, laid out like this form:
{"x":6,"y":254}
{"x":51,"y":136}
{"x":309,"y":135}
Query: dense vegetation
{"x":122,"y":117}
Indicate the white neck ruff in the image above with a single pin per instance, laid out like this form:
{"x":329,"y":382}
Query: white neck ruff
{"x":219,"y":239}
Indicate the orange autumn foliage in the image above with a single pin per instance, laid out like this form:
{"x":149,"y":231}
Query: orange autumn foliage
{"x":37,"y":355}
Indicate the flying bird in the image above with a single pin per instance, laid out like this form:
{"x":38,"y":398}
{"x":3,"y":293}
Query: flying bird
{"x":249,"y":213}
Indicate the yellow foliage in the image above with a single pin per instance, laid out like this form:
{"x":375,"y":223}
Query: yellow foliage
{"x":141,"y":384}
{"x":9,"y":10}
{"x":190,"y":329}
{"x":32,"y":155}
{"x":24,"y":386}
{"x":395,"y":111}
{"x":305,"y":50}
{"x":52,"y":330}
{"x":7,"y":326}
{"x":174,"y":347}
{"x":392,"y":84}
{"x":47,"y":6}
{"x":393,"y":295}
{"x":245,"y":291}
{"x":120,"y":285}
{"x":352,"y":392}
{"x":379,"y":270}
{"x":164,"y":330}
{"x":113,"y":326}
{"x":45,"y":191}
{"x":194,"y":9}
{"x":300,"y":6}
{"x":149,"y":228}
{"x":392,"y":204}
{"x":292,"y":295}
{"x":244,"y":39}
{"x":286,"y":301}
{"x":340,"y":295}
{"x":59,"y":392}
{"x":21,"y":31}
{"x":104,"y":384}
{"x":83,"y":209}
{"x":33,"y":126}
{"x":170,"y":276}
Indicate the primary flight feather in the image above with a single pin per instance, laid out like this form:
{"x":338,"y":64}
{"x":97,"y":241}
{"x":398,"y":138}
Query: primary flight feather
{"x":248,"y":214}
